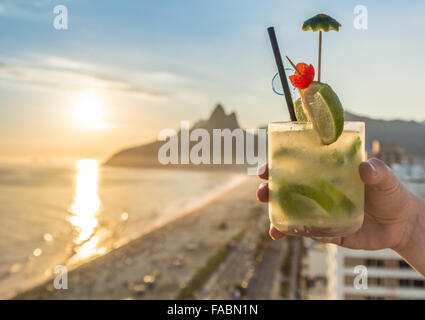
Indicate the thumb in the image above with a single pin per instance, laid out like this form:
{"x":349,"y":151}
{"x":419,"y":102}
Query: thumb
{"x":375,"y":172}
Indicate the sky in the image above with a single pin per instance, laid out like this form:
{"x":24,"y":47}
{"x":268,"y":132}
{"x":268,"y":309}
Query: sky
{"x":124,"y":70}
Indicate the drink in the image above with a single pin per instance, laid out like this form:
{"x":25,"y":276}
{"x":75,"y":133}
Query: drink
{"x":315,"y":189}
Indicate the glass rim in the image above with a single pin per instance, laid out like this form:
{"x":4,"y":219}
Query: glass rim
{"x":307,"y":122}
{"x":355,"y":126}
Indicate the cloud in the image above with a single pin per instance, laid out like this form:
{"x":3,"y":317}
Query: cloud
{"x":63,"y":63}
{"x":61,"y":73}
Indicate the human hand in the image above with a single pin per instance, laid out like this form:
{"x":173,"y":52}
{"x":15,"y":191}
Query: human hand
{"x":390,"y":212}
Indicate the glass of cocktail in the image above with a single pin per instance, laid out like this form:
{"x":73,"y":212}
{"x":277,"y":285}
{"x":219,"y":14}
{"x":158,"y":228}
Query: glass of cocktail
{"x":315,"y":189}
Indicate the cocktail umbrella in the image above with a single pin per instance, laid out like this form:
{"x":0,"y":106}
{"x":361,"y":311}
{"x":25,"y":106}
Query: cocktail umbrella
{"x":321,"y":22}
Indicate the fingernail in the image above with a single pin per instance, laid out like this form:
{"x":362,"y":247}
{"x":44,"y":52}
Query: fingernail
{"x":261,"y":170}
{"x":372,"y":166}
{"x":262,"y":185}
{"x":273,"y":236}
{"x":271,"y":233}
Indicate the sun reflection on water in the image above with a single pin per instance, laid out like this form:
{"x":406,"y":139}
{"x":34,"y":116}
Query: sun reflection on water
{"x":85,"y":208}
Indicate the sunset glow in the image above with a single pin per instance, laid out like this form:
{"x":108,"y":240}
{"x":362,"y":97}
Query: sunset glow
{"x":89,"y":111}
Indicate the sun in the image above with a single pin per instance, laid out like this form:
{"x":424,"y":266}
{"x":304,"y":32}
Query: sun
{"x":88,"y":111}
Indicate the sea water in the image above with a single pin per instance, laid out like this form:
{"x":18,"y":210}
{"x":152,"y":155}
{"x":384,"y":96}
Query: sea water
{"x":55,"y":214}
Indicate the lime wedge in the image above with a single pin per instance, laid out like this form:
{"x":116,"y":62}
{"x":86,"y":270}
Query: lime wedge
{"x":323,"y":194}
{"x":317,"y":195}
{"x":322,"y":107}
{"x":341,"y":200}
{"x":299,"y":112}
{"x":285,"y":199}
{"x":290,"y":153}
{"x":354,"y":148}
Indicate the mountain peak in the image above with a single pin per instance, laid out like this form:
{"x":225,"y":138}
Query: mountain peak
{"x":233,"y":120}
{"x":218,"y":112}
{"x":220,"y":120}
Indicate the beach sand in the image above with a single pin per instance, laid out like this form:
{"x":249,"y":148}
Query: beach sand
{"x":159,"y":264}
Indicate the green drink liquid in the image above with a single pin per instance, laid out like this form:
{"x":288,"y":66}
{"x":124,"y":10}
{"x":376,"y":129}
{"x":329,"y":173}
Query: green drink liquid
{"x":315,"y":189}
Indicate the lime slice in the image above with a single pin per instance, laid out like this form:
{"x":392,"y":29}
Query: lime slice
{"x":283,"y":152}
{"x":317,"y":195}
{"x":322,"y":107}
{"x":299,"y":112}
{"x":323,"y":194}
{"x":354,"y":148}
{"x":290,"y":153}
{"x":285,"y":199}
{"x":341,"y":200}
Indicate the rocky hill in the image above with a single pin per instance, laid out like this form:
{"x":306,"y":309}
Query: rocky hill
{"x":408,"y":134}
{"x":147,"y":155}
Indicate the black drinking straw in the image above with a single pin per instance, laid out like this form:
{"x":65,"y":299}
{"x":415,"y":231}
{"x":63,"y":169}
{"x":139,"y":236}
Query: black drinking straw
{"x":282,"y":74}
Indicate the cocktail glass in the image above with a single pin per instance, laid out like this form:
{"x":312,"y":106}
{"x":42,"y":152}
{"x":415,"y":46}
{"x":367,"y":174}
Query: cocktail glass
{"x":315,"y":190}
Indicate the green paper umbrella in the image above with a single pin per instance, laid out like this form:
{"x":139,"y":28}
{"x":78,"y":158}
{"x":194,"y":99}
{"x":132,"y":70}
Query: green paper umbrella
{"x":321,"y":22}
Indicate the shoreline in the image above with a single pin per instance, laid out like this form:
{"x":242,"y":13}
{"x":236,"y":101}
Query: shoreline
{"x":195,"y":207}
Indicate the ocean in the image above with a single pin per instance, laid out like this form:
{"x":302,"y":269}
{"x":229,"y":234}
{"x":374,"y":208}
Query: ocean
{"x":57,"y":214}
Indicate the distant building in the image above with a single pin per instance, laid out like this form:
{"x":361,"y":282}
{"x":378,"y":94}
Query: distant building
{"x":405,"y":166}
{"x":315,"y":270}
{"x":389,"y":277}
{"x":390,"y":153}
{"x":410,"y":172}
